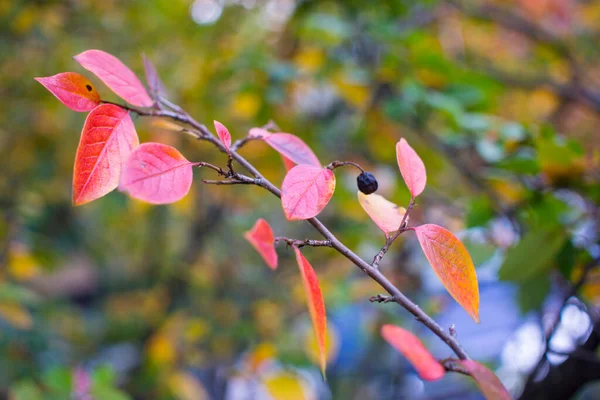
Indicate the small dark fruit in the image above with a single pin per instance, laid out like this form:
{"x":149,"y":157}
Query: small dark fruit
{"x":367,"y":183}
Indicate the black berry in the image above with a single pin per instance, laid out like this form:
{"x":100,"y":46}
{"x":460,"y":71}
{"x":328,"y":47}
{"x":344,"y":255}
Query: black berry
{"x":367,"y":183}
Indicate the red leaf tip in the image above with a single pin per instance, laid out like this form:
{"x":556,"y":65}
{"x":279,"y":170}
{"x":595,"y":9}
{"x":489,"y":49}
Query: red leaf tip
{"x":411,"y":347}
{"x":262,"y":239}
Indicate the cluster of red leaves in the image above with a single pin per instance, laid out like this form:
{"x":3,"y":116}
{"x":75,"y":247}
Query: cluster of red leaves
{"x":109,"y":156}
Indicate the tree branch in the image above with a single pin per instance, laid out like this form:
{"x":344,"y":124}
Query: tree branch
{"x":306,"y":242}
{"x":204,"y":134}
{"x":388,"y":242}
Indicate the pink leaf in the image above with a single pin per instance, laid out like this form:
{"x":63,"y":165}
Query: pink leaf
{"x":411,"y":347}
{"x":488,"y":382}
{"x":262,"y":238}
{"x":224,"y":135}
{"x":156,"y":173}
{"x":116,"y":76}
{"x":411,"y":168}
{"x":293,"y":148}
{"x":316,"y":305}
{"x":386,"y":215}
{"x":73,"y":90}
{"x":107,"y":139}
{"x":157,"y":88}
{"x":306,"y":190}
{"x":452,"y":263}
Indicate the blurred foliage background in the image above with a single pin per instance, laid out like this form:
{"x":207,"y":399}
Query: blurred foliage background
{"x":122,"y":300}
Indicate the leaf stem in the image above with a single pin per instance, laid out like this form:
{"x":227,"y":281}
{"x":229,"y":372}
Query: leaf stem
{"x":336,"y":164}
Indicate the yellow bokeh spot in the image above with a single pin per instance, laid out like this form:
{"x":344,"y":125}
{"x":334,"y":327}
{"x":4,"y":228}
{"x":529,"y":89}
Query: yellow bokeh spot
{"x":16,"y":315}
{"x":245,"y":105}
{"x":356,"y":94}
{"x":263,"y":352}
{"x":309,"y":59}
{"x":197,"y":329}
{"x":161,"y":350}
{"x":286,"y":386}
{"x":22,"y":265}
{"x":185,"y":386}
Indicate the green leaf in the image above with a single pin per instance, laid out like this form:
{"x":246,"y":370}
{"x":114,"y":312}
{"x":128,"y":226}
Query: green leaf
{"x":520,"y":165}
{"x":26,"y":390}
{"x":480,"y":212}
{"x":533,"y":292}
{"x":480,"y":252}
{"x":106,"y":393}
{"x":58,"y":379}
{"x":103,"y":376}
{"x":533,"y":255}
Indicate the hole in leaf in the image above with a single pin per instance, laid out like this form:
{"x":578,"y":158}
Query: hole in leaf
{"x":88,"y":87}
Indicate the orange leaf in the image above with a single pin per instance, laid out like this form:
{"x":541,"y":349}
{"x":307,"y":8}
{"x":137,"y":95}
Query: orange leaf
{"x":306,"y":190}
{"x":488,"y":382}
{"x":411,"y":168}
{"x":262,"y":238}
{"x":386,"y":215}
{"x":73,"y":90}
{"x":452,"y":264}
{"x":107,"y":139}
{"x":316,"y":306}
{"x":411,"y":347}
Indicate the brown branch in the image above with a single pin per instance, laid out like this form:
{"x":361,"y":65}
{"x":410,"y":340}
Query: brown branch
{"x":301,"y":243}
{"x":452,"y":365}
{"x":260,"y":180}
{"x":556,"y":322}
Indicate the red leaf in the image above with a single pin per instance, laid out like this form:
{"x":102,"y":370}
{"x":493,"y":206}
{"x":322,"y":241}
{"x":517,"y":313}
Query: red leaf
{"x":306,"y":190}
{"x":153,"y":80}
{"x":224,"y":135}
{"x":73,"y":90}
{"x":293,"y":148}
{"x":262,"y":238}
{"x":156,"y":173}
{"x":410,"y":346}
{"x":386,"y":215}
{"x":452,"y":264}
{"x":316,"y":306}
{"x":411,"y":168}
{"x":107,"y":139}
{"x":488,"y":382}
{"x":287,"y":163}
{"x":116,"y":76}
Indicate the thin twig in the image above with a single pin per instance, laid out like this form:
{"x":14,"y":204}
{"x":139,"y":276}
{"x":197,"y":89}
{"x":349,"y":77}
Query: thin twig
{"x":453,"y":365}
{"x":306,"y":242}
{"x":388,"y":242}
{"x":381,"y":298}
{"x":336,"y":164}
{"x":556,"y":322}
